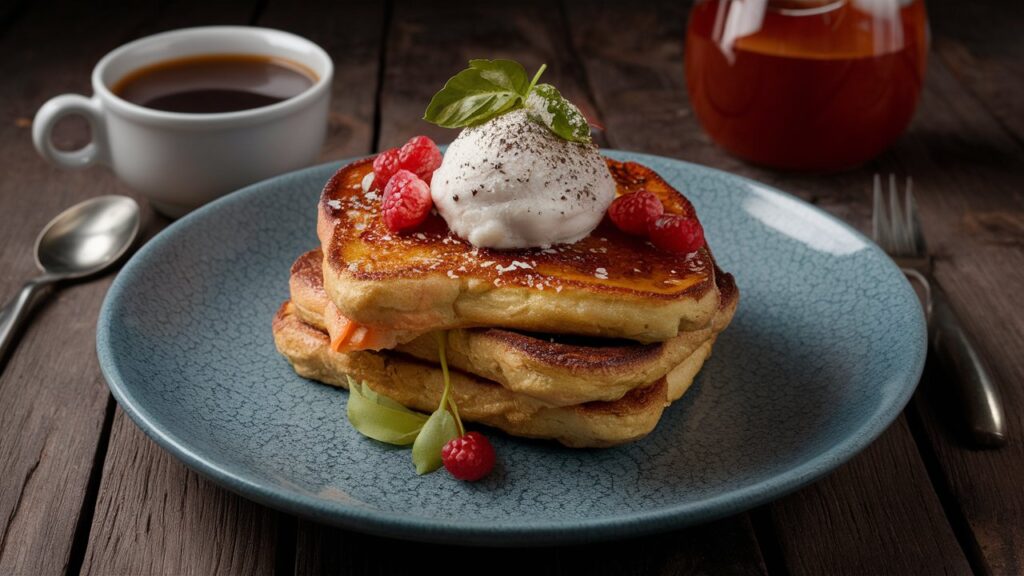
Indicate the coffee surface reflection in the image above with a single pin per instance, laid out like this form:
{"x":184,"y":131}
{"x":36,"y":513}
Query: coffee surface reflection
{"x":215,"y":83}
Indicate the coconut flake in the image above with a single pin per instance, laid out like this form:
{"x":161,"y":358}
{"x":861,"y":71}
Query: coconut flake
{"x":367,"y":183}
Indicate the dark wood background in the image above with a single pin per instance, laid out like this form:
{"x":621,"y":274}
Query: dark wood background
{"x":82,"y":490}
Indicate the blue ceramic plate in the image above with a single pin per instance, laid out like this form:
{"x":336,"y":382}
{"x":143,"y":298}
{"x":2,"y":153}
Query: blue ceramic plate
{"x":825,"y":350}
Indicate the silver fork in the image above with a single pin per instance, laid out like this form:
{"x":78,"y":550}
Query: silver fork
{"x":897,"y":229}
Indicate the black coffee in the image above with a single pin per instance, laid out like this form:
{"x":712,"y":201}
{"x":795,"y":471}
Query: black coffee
{"x":215,"y":83}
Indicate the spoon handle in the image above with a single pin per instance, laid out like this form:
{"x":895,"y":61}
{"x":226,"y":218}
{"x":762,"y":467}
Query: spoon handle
{"x":14,"y":313}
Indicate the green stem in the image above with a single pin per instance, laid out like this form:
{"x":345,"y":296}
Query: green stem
{"x":446,"y":397}
{"x":455,"y":412}
{"x":536,"y":77}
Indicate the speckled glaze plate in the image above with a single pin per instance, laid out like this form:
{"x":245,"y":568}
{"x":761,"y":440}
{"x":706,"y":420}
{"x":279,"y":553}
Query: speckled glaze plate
{"x":825,"y":350}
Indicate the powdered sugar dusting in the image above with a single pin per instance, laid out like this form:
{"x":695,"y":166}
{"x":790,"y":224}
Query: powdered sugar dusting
{"x":433,"y":249}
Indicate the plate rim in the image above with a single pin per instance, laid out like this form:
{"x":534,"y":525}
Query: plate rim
{"x":491,"y":533}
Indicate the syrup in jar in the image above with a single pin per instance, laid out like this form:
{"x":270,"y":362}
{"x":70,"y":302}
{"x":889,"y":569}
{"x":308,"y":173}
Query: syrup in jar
{"x":820,"y":85}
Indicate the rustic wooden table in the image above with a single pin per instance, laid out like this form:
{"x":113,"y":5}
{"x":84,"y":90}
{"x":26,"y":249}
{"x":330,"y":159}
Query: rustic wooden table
{"x":82,"y":490}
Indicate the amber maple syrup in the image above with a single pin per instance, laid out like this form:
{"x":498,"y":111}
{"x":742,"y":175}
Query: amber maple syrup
{"x":806,"y":84}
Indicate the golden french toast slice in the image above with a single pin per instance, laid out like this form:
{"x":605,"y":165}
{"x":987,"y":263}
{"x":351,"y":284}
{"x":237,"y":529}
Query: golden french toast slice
{"x":609,"y":284}
{"x":554,"y":369}
{"x":418,"y":385}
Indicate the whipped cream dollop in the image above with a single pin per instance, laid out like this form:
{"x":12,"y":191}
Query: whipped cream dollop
{"x":513,"y":183}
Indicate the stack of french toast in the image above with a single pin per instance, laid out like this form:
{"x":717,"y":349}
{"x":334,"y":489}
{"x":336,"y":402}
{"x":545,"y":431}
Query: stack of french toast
{"x":584,"y":343}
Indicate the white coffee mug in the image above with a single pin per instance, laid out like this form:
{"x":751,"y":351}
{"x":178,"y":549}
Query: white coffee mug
{"x":180,"y":161}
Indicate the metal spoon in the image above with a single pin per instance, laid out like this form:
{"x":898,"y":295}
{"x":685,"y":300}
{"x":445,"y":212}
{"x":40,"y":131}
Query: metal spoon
{"x":79,"y":242}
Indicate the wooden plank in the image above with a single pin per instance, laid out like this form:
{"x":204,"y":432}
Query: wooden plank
{"x":726,"y":547}
{"x":983,"y":486}
{"x":638,"y":85}
{"x":968,"y":172}
{"x":154,"y":516}
{"x":981,"y":44}
{"x":53,"y":402}
{"x":350,"y":31}
{"x":868,"y":515}
{"x":877,"y":514}
{"x":426,"y":45}
{"x":429,"y":44}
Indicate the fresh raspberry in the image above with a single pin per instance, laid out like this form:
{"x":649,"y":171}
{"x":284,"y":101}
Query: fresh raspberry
{"x":420,"y":156}
{"x":384,"y":167}
{"x":469,"y":457}
{"x":406,"y":201}
{"x":634,"y":213}
{"x":680,"y":234}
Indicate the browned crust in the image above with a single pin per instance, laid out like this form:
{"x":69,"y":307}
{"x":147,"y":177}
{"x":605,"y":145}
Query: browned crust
{"x":285,"y":318}
{"x":599,"y":355}
{"x":638,"y":399}
{"x":308,"y":269}
{"x":307,"y":275}
{"x":572,"y":356}
{"x":335,"y":236}
{"x":603,"y":354}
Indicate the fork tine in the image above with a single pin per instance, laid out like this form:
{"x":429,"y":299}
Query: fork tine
{"x":897,"y":225}
{"x":914,"y":220}
{"x":879,"y":222}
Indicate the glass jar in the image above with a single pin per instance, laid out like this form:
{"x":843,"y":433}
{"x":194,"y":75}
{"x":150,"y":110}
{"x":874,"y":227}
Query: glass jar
{"x":819,"y":85}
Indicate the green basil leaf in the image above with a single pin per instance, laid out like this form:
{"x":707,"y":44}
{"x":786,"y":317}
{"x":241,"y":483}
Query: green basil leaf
{"x":438,"y":431}
{"x":486,"y":89}
{"x":547,"y":106}
{"x":381,"y":418}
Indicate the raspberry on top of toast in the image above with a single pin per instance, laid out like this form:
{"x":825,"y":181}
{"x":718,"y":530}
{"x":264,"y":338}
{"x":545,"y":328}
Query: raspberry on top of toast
{"x":608,"y":259}
{"x":365,"y":265}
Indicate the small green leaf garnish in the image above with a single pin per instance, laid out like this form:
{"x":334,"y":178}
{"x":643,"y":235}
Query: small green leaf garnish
{"x":426,"y":451}
{"x":547,"y":106}
{"x":490,"y":88}
{"x":381,"y":418}
{"x":443,"y":425}
{"x":486,"y":89}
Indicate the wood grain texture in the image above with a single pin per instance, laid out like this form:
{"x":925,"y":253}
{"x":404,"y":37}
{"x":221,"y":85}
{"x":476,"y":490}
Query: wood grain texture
{"x":968,"y":171}
{"x":430,"y":42}
{"x":350,"y":31}
{"x":53,"y":400}
{"x":877,"y":514}
{"x":154,"y":516}
{"x":985,"y":486}
{"x":426,"y":45}
{"x":638,"y":84}
{"x":867,"y":516}
{"x":980,"y":42}
{"x":725,"y":548}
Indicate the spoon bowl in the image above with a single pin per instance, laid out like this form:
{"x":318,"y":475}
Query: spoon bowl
{"x":87,"y":237}
{"x":79,"y":242}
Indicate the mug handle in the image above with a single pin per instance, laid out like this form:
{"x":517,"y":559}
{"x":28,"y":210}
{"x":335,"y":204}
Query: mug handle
{"x":51,"y":113}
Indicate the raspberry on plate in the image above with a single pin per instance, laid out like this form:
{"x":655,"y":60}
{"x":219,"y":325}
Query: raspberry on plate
{"x":634,"y":213}
{"x":680,"y":234}
{"x":469,"y":457}
{"x":420,"y":156}
{"x":406,"y":201}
